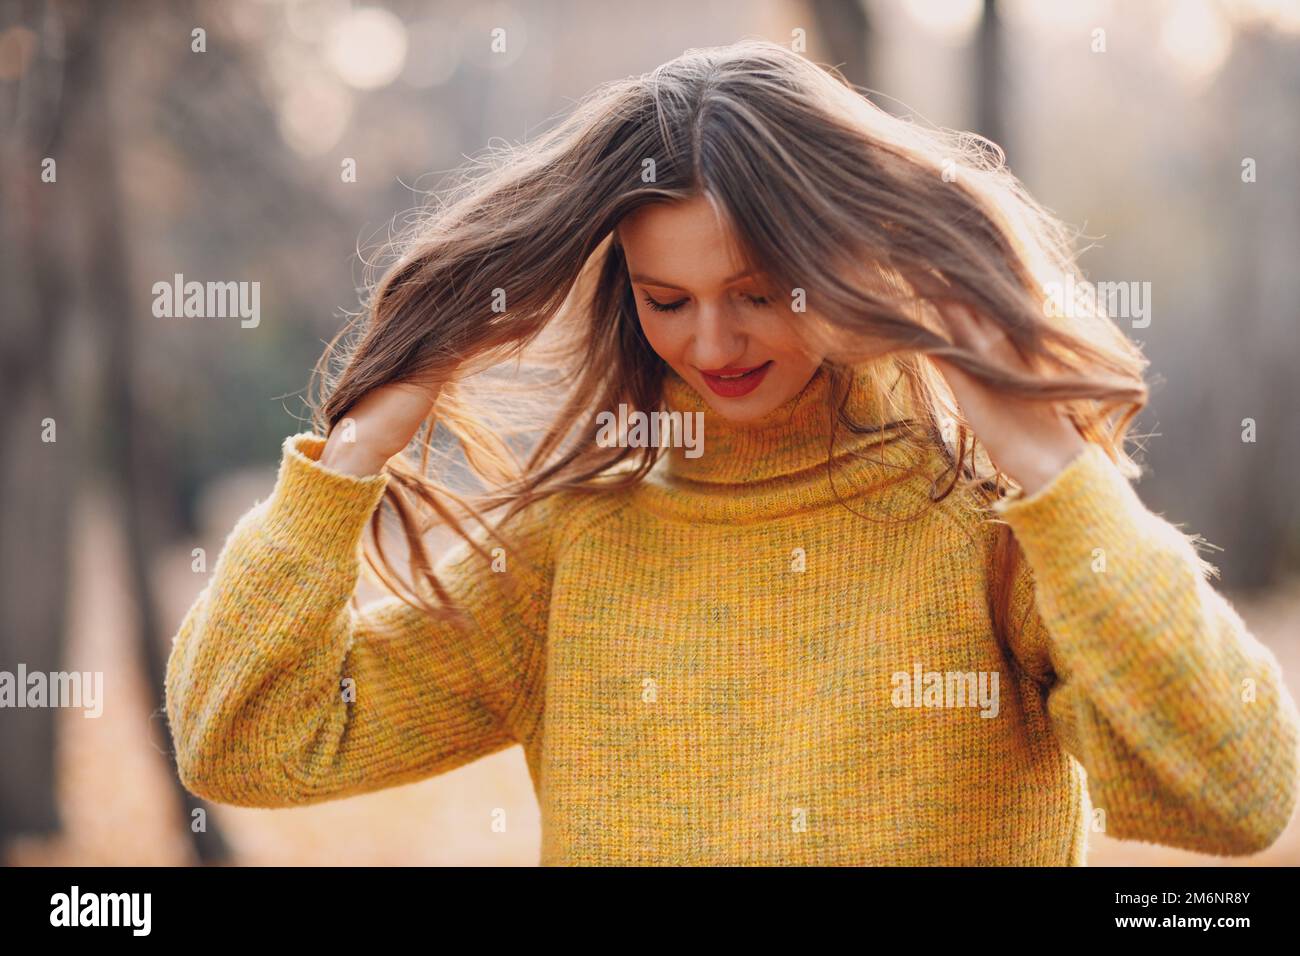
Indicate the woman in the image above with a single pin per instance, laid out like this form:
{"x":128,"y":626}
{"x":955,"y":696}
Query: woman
{"x":900,"y":606}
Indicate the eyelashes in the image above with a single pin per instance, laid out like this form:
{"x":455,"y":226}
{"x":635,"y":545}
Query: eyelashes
{"x":663,"y":306}
{"x":757,"y":301}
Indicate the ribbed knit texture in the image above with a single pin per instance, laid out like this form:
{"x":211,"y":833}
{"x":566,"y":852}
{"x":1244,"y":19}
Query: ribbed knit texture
{"x":703,"y":669}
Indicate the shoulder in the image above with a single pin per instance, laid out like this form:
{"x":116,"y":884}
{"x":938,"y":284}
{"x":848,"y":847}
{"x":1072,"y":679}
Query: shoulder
{"x":965,"y":508}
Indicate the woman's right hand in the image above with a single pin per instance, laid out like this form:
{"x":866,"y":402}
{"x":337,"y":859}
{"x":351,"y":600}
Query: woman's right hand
{"x":378,"y":427}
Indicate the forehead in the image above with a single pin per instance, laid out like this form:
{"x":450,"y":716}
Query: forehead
{"x":685,"y":243}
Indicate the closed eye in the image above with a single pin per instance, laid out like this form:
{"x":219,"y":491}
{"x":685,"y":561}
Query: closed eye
{"x":664,"y":306}
{"x":757,"y":301}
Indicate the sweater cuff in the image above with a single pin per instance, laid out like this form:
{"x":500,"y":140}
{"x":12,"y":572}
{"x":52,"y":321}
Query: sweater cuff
{"x":1088,"y":505}
{"x":315,"y":509}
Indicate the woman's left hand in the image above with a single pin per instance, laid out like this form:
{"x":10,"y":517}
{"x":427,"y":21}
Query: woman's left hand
{"x":1032,"y":442}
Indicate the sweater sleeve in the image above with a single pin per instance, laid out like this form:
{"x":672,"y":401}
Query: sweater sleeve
{"x":280,"y":693}
{"x":1176,"y":712}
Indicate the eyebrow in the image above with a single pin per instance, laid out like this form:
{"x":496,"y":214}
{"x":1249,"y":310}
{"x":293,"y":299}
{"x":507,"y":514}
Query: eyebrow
{"x":647,"y":280}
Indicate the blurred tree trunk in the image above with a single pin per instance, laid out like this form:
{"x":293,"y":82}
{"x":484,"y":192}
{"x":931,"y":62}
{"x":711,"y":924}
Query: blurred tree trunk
{"x":106,"y":277}
{"x":1251,"y":351}
{"x":36,"y":477}
{"x":989,"y":74}
{"x":74,"y":95}
{"x":844,"y":32}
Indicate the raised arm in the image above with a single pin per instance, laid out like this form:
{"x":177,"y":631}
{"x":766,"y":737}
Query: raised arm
{"x":279,"y":693}
{"x":1177,"y":713}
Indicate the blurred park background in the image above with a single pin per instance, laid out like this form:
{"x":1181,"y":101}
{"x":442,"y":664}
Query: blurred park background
{"x":1134,"y":121}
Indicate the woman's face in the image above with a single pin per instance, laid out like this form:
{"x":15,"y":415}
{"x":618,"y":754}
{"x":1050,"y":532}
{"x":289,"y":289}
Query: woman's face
{"x":732,"y":338}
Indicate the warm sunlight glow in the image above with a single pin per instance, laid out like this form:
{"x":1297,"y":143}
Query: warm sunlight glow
{"x":367,"y":48}
{"x":953,"y":21}
{"x":1196,"y":38}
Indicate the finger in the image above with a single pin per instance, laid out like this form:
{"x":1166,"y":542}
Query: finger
{"x":974,"y":331}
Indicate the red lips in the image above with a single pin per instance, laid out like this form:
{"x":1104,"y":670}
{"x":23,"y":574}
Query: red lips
{"x":738,"y":381}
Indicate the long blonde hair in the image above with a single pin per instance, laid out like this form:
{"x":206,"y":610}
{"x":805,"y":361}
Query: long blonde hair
{"x":873,"y":217}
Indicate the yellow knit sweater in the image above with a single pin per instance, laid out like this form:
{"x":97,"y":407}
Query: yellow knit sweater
{"x":726,"y":666}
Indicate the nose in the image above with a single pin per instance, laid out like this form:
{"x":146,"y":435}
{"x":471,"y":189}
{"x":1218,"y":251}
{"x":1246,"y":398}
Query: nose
{"x":718,"y":338}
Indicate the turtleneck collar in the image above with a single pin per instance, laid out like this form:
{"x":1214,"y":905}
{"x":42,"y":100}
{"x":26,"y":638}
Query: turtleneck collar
{"x":778,"y":464}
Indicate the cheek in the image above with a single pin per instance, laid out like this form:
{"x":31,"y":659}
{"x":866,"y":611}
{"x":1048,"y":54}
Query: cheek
{"x":784,"y":336}
{"x":660,"y":334}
